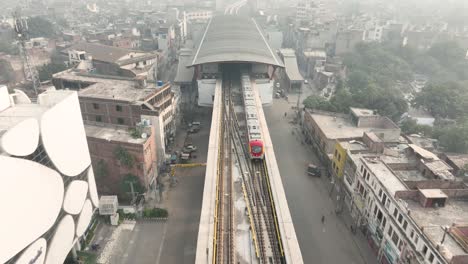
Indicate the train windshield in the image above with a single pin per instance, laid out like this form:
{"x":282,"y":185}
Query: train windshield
{"x":256,"y":149}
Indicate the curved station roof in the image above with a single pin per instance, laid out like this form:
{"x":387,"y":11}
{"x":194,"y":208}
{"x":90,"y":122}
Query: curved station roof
{"x":231,"y":38}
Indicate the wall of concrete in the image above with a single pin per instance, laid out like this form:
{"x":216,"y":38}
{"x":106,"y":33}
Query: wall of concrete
{"x":206,"y":92}
{"x":265,"y":89}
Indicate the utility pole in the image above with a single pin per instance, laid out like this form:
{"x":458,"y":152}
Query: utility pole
{"x":22,"y":35}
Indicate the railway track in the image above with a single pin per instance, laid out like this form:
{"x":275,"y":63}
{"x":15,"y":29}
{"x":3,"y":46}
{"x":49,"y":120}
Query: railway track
{"x":225,"y":220}
{"x":260,"y":199}
{"x":255,"y":183}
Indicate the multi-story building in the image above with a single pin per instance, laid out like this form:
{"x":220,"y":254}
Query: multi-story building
{"x":406,"y":199}
{"x":48,"y":187}
{"x":322,"y":129}
{"x":109,"y":60}
{"x":133,"y":114}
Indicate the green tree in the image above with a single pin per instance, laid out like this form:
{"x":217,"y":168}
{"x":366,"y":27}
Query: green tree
{"x":40,"y":27}
{"x":8,"y":48}
{"x":46,"y":71}
{"x":101,"y":170}
{"x":447,"y":52}
{"x":442,"y":100}
{"x":455,"y":138}
{"x":410,"y":126}
{"x":125,"y":186}
{"x":318,"y":102}
{"x":124,"y":157}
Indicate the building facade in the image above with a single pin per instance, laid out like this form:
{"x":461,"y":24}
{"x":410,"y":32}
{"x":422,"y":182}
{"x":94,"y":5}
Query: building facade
{"x":47,"y":172}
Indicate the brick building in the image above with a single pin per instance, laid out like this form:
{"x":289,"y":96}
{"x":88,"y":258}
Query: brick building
{"x":128,"y":115}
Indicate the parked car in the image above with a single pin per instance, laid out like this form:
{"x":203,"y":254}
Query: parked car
{"x":313,"y":170}
{"x":190,"y":149}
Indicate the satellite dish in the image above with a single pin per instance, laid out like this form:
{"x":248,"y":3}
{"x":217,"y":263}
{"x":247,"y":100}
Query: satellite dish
{"x":144,"y":135}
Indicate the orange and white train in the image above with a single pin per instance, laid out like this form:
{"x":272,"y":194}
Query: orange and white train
{"x":254,"y":134}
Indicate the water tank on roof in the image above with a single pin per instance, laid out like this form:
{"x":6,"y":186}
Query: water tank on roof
{"x":160,"y":83}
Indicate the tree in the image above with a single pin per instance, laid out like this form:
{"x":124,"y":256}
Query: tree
{"x":124,"y":157}
{"x":442,"y":100}
{"x":46,"y":71}
{"x":129,"y":180}
{"x":40,"y":27}
{"x":318,"y":102}
{"x":455,"y":138}
{"x":8,"y":48}
{"x":101,"y":170}
{"x":447,"y":52}
{"x":410,"y":126}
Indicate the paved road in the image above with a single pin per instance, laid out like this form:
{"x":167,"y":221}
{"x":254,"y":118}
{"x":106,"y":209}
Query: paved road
{"x":174,"y":241}
{"x":308,"y":198}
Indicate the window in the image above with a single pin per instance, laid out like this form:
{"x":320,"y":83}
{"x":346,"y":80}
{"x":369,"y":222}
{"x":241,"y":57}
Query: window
{"x":336,"y":153}
{"x":431,"y":257}
{"x":95,"y":106}
{"x":416,"y":239}
{"x":120,"y":121}
{"x":98,"y":118}
{"x":390,"y":230}
{"x":424,"y":250}
{"x":395,"y":238}
{"x":405,"y":225}
{"x":395,"y":212}
{"x":412,"y":234}
{"x":400,"y":218}
{"x":118,"y":108}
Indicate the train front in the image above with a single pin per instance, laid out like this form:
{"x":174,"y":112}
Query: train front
{"x":256,"y":149}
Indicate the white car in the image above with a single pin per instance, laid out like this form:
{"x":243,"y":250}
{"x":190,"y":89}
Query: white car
{"x":306,"y":81}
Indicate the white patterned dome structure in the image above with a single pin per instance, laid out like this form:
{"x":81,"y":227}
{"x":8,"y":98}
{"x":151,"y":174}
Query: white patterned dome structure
{"x":48,"y":189}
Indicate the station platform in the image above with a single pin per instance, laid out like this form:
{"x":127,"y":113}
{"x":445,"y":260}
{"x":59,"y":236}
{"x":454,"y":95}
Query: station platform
{"x":292,"y":251}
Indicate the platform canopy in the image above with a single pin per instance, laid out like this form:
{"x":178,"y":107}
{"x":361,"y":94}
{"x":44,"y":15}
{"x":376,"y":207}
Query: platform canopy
{"x":232,"y":38}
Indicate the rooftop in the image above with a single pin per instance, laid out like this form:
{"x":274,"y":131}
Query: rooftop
{"x":290,"y":63}
{"x":234,"y":39}
{"x":112,"y":134}
{"x":460,"y":160}
{"x":117,"y":91}
{"x":385,"y":176}
{"x":433,"y":220}
{"x":433,"y":193}
{"x":338,"y":126}
{"x":108,"y":87}
{"x":360,"y":112}
{"x":102,"y":52}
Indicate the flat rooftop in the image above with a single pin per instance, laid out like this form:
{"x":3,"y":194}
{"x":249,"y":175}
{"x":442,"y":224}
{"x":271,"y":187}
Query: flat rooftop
{"x":112,"y":134}
{"x":362,"y":112}
{"x":232,"y":38}
{"x":386,"y":177}
{"x":433,"y":220}
{"x":336,"y":127}
{"x":108,"y":87}
{"x":117,"y":91}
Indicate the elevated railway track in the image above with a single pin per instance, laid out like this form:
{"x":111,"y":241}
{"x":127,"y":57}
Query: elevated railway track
{"x":235,"y":169}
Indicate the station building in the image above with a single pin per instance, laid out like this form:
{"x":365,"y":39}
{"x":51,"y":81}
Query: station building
{"x":233,"y":40}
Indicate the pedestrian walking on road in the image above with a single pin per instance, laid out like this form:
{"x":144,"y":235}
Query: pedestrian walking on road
{"x":285,"y":114}
{"x":323,"y":219}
